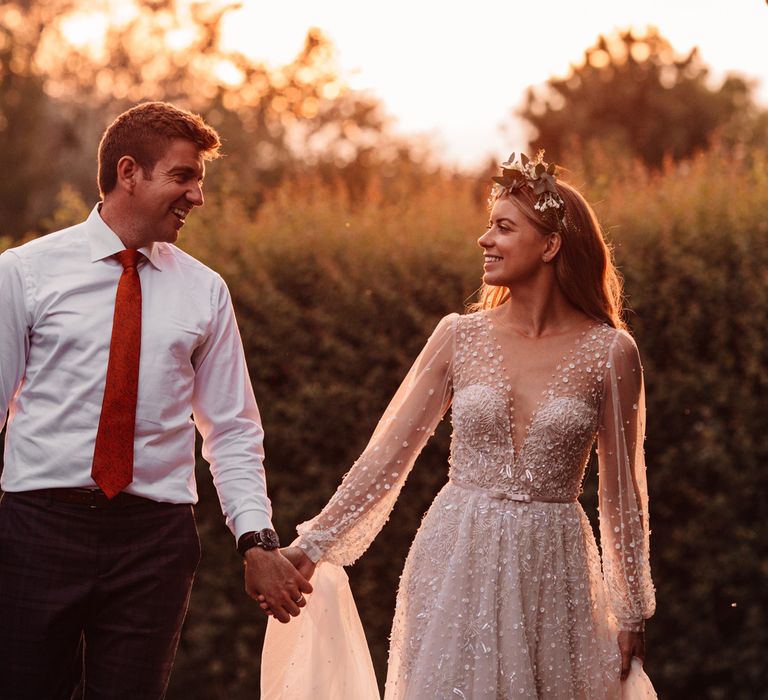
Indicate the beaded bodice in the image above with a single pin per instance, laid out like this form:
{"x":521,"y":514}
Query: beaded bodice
{"x":526,"y":413}
{"x":494,"y":445}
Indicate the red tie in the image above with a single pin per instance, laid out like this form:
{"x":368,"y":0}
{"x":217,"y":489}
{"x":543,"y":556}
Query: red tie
{"x":112,"y":466}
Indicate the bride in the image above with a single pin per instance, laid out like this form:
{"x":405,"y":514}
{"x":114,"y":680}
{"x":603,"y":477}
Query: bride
{"x":503,"y":593}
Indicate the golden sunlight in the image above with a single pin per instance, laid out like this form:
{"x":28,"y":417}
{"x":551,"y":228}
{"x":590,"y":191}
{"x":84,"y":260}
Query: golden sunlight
{"x":85,"y":29}
{"x":439,"y":79}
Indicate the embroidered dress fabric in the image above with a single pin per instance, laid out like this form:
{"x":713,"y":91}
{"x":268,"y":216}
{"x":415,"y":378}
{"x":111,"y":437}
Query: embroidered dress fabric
{"x":322,"y":654}
{"x":503,"y":593}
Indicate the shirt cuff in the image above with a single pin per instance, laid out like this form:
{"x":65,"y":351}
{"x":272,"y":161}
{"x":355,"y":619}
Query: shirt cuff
{"x":251,"y":521}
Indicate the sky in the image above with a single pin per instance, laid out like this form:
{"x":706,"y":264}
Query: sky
{"x":456,"y":71}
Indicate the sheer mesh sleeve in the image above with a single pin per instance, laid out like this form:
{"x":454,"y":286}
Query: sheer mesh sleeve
{"x":623,"y":492}
{"x":358,"y":510}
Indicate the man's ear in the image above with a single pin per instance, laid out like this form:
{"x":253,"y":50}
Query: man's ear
{"x":127,"y":173}
{"x":554,"y":241}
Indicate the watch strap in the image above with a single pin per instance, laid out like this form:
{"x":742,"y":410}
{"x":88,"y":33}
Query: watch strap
{"x":266,"y":539}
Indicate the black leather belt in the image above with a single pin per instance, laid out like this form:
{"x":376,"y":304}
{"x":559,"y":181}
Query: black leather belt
{"x":93,"y":498}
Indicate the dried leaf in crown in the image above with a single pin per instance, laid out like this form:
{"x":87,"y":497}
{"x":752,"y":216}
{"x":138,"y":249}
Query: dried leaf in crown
{"x":536,"y":174}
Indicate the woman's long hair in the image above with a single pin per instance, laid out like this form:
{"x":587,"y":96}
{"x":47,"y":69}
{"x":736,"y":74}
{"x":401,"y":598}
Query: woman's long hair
{"x":584,"y":265}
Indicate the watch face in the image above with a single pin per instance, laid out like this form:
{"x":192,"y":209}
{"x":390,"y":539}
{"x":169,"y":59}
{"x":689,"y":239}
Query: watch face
{"x":269,"y":539}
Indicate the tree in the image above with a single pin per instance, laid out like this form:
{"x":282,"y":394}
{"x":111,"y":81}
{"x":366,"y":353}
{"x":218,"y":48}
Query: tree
{"x":36,"y":136}
{"x":637,"y":95}
{"x":58,"y":96}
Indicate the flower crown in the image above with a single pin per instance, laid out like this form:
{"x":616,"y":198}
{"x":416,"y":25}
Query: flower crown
{"x":533,"y":173}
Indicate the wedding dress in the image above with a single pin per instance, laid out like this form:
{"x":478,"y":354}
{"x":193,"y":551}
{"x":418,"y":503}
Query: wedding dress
{"x":503,"y":594}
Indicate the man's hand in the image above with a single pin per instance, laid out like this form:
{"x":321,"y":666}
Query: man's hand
{"x":298,"y":557}
{"x":269,"y":576}
{"x":304,"y":565}
{"x":630,"y":644}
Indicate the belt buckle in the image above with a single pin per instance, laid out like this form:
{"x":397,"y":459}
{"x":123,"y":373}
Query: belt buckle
{"x":504,"y":496}
{"x":521,"y":497}
{"x":91,"y":497}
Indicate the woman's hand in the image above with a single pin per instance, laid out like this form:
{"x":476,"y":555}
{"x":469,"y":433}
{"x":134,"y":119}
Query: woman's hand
{"x":298,"y":557}
{"x":273,"y":580}
{"x":630,"y":644}
{"x":301,"y":562}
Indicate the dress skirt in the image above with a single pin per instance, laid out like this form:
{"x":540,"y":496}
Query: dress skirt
{"x":502,"y":599}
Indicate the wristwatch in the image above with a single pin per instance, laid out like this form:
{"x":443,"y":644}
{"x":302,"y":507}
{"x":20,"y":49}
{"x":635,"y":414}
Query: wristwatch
{"x":266,"y":539}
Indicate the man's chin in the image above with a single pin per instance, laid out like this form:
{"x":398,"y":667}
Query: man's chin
{"x":171,"y":236}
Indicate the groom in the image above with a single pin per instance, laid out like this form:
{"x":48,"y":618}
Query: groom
{"x":110,"y":339}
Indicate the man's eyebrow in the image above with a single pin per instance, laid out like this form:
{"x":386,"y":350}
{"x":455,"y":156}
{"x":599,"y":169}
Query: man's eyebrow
{"x":186,"y":169}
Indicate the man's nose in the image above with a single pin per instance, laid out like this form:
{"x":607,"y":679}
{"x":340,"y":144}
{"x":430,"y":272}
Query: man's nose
{"x":195,"y":195}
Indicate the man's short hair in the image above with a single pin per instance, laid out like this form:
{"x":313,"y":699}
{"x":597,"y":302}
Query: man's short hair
{"x":144,"y":132}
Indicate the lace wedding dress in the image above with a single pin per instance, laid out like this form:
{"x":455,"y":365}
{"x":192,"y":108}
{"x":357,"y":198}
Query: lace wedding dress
{"x":503,"y":594}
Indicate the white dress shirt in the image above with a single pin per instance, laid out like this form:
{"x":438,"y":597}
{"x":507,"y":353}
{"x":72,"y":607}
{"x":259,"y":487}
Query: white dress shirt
{"x":57,"y":299}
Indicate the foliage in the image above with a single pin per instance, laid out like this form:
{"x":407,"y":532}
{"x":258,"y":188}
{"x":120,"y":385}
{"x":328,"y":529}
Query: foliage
{"x":342,"y":256}
{"x":536,"y":174}
{"x":639,"y":97}
{"x":691,"y":244}
{"x":334,"y":300}
{"x":34,"y":137}
{"x":57,"y":97}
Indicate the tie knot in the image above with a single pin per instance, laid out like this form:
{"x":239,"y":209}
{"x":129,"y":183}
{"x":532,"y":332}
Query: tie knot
{"x":129,"y":258}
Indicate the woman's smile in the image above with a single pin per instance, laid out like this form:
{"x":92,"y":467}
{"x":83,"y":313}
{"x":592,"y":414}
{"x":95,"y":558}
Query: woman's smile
{"x":490,"y":259}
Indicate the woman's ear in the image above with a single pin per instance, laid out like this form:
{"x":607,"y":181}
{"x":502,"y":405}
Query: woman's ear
{"x":127,"y":173}
{"x":554,"y":240}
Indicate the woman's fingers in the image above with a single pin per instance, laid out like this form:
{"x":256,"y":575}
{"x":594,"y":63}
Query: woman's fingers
{"x":289,"y":604}
{"x":626,"y":664}
{"x":280,"y":613}
{"x":304,"y":585}
{"x":640,"y":649}
{"x":631,"y":644}
{"x":291,"y":607}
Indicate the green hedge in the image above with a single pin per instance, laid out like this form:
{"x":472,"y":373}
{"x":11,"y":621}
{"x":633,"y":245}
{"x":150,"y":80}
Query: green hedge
{"x":335,"y":299}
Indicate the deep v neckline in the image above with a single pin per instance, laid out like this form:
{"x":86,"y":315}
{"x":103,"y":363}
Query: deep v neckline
{"x":547,"y":393}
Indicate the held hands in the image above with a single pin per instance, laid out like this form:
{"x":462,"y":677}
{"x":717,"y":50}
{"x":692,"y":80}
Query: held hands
{"x":630,"y":644}
{"x":298,"y":557}
{"x":303,"y":565}
{"x":275,"y":582}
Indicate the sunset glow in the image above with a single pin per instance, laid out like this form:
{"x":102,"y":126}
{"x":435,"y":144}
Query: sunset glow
{"x":457,"y":74}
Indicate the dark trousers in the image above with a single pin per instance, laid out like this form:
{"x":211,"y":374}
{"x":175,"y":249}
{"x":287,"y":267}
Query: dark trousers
{"x":99,"y":590}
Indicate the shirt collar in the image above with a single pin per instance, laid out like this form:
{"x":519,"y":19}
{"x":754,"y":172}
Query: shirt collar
{"x":105,"y":242}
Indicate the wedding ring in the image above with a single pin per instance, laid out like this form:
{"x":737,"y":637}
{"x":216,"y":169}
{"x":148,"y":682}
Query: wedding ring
{"x":299,"y":599}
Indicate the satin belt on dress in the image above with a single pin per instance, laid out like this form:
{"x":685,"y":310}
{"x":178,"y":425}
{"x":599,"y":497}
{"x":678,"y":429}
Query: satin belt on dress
{"x":507,"y":496}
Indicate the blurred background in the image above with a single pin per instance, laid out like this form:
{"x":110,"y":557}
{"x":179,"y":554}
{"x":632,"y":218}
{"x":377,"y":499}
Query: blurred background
{"x":358,"y":144}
